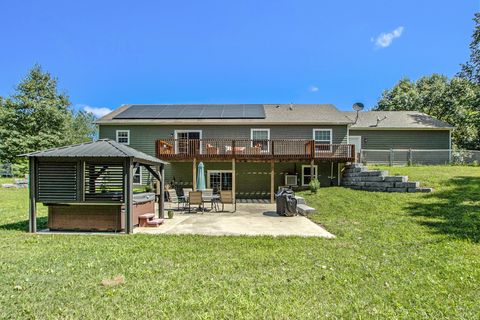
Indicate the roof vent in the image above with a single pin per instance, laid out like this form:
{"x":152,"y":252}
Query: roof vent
{"x":291,"y":106}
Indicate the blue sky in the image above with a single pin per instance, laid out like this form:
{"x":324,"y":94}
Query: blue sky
{"x":108,"y":53}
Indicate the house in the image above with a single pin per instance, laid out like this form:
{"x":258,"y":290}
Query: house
{"x":254,"y":148}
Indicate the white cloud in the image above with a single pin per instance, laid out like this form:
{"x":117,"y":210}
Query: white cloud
{"x":97,"y":112}
{"x":385,"y":39}
{"x":313,"y":89}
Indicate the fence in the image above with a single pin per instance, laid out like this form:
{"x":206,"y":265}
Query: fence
{"x":419,"y":156}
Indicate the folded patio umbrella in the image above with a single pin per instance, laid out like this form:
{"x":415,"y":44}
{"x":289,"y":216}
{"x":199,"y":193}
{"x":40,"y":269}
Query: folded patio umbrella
{"x":201,"y":177}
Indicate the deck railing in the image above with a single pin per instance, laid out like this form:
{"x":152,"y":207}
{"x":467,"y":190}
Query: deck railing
{"x":252,"y":149}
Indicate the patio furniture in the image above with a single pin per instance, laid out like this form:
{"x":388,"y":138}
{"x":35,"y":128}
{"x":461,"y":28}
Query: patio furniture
{"x":207,"y":195}
{"x":186,"y":192}
{"x":195,"y":199}
{"x":238,"y":150}
{"x":173,"y":197}
{"x":149,"y":220}
{"x":211,"y":149}
{"x":226,"y":197}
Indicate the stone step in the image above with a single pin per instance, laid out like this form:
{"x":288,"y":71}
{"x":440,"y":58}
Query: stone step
{"x":155,"y":222}
{"x":300,"y":200}
{"x":147,"y":216}
{"x":396,"y":178}
{"x":303,"y":209}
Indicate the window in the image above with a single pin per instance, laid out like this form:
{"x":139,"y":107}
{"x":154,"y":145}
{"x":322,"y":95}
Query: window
{"x":260,"y":138}
{"x":219,"y":180}
{"x":323,"y":140}
{"x":137,"y":175}
{"x":123,"y":136}
{"x":322,"y":136}
{"x":307,"y":174}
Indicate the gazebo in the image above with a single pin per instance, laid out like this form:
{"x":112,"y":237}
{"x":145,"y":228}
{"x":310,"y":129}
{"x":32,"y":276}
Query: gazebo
{"x":91,"y":184}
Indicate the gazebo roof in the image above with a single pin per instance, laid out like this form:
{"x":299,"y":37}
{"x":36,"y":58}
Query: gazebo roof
{"x":103,"y":148}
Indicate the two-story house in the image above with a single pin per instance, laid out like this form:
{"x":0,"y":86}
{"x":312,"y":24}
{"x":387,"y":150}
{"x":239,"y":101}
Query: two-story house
{"x":253,"y":149}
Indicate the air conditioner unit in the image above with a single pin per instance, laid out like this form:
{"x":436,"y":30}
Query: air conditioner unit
{"x":291,"y":180}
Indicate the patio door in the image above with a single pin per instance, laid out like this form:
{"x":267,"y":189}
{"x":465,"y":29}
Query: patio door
{"x":219,"y":180}
{"x":188,"y":141}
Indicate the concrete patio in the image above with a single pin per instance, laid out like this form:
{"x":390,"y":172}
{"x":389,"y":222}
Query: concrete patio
{"x":251,"y":219}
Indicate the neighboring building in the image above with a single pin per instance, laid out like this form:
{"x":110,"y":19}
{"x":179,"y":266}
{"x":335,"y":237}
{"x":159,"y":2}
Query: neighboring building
{"x":253,"y":149}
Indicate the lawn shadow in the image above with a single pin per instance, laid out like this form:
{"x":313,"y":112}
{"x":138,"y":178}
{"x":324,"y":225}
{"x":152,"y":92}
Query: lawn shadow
{"x":454,"y":211}
{"x":23,"y":225}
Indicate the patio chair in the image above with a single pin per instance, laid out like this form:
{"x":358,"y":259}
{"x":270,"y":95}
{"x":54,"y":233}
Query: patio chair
{"x":186,"y":192}
{"x":226,"y":197}
{"x":174,"y":198}
{"x":207,"y":195}
{"x":195,"y":199}
{"x":211,"y":149}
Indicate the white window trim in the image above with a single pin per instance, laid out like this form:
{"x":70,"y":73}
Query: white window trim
{"x":141,"y":177}
{"x":330,"y":130}
{"x":216,"y":171}
{"x":176,"y":132}
{"x":323,"y":141}
{"x":123,"y":131}
{"x":260,"y":129}
{"x":303,"y":176}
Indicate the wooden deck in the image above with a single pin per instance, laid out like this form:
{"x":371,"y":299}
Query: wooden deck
{"x":252,"y":150}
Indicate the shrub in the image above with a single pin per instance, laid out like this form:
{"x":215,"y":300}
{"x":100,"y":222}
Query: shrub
{"x":314,"y":185}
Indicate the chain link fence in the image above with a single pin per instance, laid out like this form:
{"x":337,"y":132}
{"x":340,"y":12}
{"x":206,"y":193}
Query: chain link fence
{"x":419,"y":157}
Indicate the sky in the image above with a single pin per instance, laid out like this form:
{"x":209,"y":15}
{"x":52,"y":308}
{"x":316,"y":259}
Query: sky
{"x":109,"y":53}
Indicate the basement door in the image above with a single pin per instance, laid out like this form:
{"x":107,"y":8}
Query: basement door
{"x":219,"y":180}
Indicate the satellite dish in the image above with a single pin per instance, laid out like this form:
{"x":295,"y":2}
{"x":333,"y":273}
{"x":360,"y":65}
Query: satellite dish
{"x":358,"y":106}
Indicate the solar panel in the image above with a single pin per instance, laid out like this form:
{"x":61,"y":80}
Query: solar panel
{"x":227,"y":111}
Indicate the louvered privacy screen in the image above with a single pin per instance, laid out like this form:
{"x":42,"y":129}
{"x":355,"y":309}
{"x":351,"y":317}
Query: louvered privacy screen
{"x":103,"y":182}
{"x":57,"y":182}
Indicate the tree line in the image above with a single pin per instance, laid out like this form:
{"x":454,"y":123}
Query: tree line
{"x":38,"y":116}
{"x":455,"y":100}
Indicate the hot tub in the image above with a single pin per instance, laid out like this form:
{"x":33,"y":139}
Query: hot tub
{"x":98,"y":216}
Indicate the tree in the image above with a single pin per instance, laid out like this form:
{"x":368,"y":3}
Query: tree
{"x":37,"y":116}
{"x":454,"y":101}
{"x":471,"y":69}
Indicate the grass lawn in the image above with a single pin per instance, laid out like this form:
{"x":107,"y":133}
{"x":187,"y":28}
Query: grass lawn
{"x":395,"y":256}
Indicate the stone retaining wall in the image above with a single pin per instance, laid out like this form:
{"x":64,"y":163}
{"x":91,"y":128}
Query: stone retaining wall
{"x":357,"y":176}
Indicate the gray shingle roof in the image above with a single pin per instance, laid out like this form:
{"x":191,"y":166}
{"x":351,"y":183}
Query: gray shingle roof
{"x":105,"y":148}
{"x":396,"y":120}
{"x":274,"y":114}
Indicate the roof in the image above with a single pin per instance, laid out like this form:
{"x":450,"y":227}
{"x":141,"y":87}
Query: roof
{"x":280,"y":114}
{"x":396,"y":120}
{"x":103,"y":148}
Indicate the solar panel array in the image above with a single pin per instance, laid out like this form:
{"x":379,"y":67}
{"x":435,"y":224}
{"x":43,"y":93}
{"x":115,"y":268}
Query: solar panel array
{"x":216,"y":111}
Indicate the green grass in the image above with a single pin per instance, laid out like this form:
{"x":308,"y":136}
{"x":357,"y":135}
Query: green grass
{"x":395,"y":256}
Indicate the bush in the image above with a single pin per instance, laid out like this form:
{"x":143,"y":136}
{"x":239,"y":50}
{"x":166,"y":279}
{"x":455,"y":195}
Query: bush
{"x":314,"y":185}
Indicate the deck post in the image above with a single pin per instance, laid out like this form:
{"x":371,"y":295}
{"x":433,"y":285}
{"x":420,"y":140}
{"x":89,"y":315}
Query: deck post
{"x":33,"y":202}
{"x":194,"y":173}
{"x":339,"y":174}
{"x":160,"y":190}
{"x":312,"y":168}
{"x":272,"y":180}
{"x":234,"y":181}
{"x":128,"y":195}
